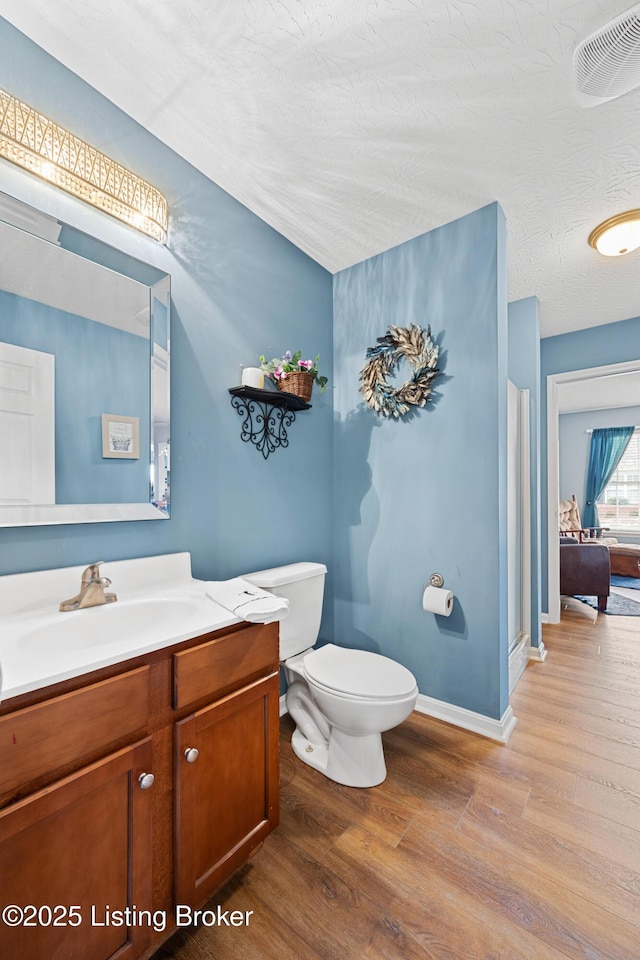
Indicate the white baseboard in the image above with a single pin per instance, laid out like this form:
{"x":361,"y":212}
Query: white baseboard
{"x":547,"y":618}
{"x":518,"y":660}
{"x":460,"y":717}
{"x":538,"y":653}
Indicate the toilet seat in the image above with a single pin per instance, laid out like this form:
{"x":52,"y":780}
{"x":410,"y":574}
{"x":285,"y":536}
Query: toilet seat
{"x":358,"y":674}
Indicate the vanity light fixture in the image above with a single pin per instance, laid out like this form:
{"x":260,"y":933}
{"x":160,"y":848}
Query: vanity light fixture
{"x":37,"y":144}
{"x":617,"y":235}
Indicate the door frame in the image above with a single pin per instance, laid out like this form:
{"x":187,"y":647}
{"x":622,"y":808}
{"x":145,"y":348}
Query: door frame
{"x":520,"y":652}
{"x":554,"y":384}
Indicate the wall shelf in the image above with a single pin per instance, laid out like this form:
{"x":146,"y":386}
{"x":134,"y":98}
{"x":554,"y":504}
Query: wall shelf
{"x":267,"y":415}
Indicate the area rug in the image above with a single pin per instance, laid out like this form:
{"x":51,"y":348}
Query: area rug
{"x":631,"y":583}
{"x":617,"y":606}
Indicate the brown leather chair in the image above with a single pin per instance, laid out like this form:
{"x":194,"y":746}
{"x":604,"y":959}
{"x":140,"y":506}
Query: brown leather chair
{"x":585,"y":570}
{"x":625,"y":557}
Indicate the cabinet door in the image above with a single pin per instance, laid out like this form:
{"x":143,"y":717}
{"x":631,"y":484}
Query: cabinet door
{"x":82,"y":843}
{"x":227,"y":793}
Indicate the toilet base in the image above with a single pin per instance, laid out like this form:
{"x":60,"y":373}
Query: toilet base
{"x":352,"y":761}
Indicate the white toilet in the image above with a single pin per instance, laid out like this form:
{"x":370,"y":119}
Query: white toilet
{"x":341,"y":700}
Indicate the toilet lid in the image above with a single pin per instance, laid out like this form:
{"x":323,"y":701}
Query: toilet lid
{"x":358,"y":672}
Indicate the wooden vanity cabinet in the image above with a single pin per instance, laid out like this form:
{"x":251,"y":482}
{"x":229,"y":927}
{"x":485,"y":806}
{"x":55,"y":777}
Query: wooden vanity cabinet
{"x":226,"y":786}
{"x":73,"y":854}
{"x":81,"y":828}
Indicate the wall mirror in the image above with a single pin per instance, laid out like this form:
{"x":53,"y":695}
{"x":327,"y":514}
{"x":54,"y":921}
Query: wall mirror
{"x":84,"y":377}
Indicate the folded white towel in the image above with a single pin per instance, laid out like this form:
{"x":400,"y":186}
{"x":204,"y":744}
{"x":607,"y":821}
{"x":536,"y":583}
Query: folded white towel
{"x":248,"y":602}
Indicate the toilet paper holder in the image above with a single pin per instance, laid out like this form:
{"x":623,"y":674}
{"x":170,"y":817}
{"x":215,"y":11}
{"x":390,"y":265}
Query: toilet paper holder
{"x":435,"y":580}
{"x":435,"y":599}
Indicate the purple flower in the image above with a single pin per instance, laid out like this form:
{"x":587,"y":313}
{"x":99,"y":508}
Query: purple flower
{"x":287,"y":355}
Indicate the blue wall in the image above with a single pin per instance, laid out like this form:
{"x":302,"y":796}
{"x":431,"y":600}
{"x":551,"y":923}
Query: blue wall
{"x":422,"y":495}
{"x":575,"y":442}
{"x":427,"y":493}
{"x":238,"y":289}
{"x":580,"y":350}
{"x":524,"y":371}
{"x":89,"y":381}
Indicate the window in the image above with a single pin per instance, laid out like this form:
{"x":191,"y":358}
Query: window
{"x":618,"y":505}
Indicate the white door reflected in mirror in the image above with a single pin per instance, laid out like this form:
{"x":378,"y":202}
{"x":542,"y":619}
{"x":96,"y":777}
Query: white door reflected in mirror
{"x":27,"y":415}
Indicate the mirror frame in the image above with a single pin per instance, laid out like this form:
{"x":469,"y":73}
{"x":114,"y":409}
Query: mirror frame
{"x":69,"y":513}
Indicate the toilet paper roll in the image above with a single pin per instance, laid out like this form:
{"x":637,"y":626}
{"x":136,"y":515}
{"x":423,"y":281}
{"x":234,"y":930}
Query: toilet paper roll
{"x":437,"y":600}
{"x":253,"y":377}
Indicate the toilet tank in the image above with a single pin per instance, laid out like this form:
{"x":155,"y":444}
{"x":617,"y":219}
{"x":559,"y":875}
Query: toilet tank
{"x":303,"y":585}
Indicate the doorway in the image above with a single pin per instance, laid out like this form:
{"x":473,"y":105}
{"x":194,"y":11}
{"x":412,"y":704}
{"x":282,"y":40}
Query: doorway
{"x":589,"y":384}
{"x":518,"y":531}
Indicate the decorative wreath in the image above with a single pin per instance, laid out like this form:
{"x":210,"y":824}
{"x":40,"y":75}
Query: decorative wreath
{"x":418,"y":348}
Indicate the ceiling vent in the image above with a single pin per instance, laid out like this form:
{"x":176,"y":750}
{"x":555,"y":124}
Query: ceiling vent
{"x":607,"y":63}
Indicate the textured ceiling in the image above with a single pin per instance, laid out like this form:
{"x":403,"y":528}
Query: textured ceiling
{"x":353,"y":125}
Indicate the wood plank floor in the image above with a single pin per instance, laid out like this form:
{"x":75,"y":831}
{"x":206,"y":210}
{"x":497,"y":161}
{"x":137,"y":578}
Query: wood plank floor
{"x":469,"y":849}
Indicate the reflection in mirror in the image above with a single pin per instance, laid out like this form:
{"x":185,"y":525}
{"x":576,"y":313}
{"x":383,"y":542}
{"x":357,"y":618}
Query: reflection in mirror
{"x":84,"y":331}
{"x":159,"y":335}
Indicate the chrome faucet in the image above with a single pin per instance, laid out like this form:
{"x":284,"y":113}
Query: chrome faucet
{"x":92,"y":590}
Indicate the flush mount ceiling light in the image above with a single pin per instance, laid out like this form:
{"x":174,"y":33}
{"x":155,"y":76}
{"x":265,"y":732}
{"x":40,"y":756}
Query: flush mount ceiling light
{"x":617,"y":235}
{"x":37,"y":144}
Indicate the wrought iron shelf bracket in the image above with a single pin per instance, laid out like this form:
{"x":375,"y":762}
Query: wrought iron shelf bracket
{"x":267,"y":415}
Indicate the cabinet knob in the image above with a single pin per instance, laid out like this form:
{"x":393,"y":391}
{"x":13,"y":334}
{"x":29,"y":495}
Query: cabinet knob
{"x":146,"y":780}
{"x":191,"y":754}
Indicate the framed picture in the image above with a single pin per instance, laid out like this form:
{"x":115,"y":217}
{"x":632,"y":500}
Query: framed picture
{"x":120,"y":437}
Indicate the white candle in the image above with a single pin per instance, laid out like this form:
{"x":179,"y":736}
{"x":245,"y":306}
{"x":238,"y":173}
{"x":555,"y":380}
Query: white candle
{"x":253,"y":377}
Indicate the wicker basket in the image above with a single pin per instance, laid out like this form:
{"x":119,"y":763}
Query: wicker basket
{"x":300,"y":384}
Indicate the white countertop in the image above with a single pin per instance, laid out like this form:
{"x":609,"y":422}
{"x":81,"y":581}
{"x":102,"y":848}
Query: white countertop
{"x":159,"y":604}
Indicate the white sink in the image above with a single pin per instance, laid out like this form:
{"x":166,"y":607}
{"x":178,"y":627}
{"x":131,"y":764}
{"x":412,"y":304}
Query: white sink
{"x":159,"y":604}
{"x":110,"y":623}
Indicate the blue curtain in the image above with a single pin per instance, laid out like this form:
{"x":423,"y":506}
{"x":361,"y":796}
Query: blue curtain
{"x":607,"y":447}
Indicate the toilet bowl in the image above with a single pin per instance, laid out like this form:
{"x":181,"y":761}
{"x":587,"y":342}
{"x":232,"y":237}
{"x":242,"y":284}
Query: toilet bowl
{"x":340,"y":699}
{"x":360,"y":695}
